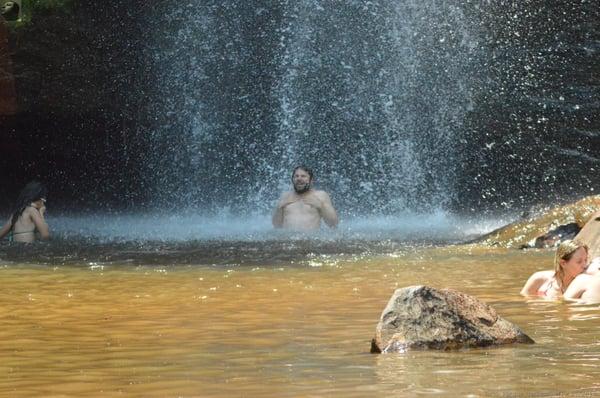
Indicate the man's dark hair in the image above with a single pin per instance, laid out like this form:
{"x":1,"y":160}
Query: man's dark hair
{"x":304,"y":168}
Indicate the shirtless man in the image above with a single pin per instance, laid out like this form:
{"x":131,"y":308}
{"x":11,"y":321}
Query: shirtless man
{"x":304,"y":207}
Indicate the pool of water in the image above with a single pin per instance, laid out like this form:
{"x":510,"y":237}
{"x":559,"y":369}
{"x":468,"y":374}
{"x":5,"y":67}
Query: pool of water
{"x":298,"y":326}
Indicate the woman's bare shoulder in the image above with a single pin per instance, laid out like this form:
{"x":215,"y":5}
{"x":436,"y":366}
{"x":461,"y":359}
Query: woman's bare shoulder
{"x":546,"y":274}
{"x":536,"y":280}
{"x":29,"y":210}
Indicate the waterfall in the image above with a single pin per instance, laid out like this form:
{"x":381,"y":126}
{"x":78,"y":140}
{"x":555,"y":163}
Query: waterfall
{"x":372,"y":95}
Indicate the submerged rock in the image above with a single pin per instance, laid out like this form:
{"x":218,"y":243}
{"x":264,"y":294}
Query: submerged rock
{"x":421,"y":317}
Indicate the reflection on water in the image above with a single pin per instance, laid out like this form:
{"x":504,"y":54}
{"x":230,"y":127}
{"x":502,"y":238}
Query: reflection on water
{"x":273,"y":331}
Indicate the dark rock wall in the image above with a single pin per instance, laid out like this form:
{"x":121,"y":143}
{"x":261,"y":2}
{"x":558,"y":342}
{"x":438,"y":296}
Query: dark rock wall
{"x":535,"y":131}
{"x":84,"y":119}
{"x":8,"y":95}
{"x":79,"y":92}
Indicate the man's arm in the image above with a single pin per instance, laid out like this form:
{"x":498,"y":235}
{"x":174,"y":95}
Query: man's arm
{"x":327,"y":211}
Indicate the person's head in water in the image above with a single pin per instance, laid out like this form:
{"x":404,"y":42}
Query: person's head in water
{"x":570,"y":260}
{"x":34,"y":193}
{"x":302,"y":179}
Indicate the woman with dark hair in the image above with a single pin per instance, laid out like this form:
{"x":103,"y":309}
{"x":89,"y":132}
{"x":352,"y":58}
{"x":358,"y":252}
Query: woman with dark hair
{"x":28,"y":215}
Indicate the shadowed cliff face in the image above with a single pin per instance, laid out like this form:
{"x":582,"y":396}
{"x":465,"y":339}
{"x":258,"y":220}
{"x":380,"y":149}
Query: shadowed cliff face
{"x":79,"y":91}
{"x":98,"y":122}
{"x":8,"y":95}
{"x":535,"y":131}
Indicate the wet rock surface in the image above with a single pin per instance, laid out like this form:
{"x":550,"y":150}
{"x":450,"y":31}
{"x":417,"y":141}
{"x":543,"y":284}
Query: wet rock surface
{"x":421,"y":318}
{"x":546,"y":227}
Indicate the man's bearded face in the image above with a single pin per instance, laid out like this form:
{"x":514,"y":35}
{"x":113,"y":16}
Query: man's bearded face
{"x":301,"y":181}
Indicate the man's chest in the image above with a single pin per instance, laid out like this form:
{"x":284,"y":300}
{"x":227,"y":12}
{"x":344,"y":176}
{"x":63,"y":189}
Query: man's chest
{"x":301,"y":208}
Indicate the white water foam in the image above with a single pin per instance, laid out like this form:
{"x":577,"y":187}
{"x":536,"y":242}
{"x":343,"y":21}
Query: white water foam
{"x":435,"y":227}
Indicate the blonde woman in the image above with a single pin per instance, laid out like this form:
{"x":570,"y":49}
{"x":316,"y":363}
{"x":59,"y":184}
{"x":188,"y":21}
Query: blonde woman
{"x":568,"y":279}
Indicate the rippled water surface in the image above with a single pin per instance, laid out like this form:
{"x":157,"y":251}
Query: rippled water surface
{"x":284,"y":330}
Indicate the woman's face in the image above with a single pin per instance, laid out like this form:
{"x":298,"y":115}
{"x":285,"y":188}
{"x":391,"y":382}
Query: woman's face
{"x":577,"y":263}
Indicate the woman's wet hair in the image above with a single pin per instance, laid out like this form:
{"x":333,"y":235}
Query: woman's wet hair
{"x":308,"y":171}
{"x":565,"y":251}
{"x":32,"y":192}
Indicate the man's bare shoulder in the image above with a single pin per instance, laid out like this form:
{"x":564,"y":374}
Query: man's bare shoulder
{"x":321,"y":194}
{"x":287,"y":195}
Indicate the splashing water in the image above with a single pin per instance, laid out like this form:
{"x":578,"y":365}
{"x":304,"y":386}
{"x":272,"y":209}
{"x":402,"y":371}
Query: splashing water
{"x":161,"y":227}
{"x":371,"y":95}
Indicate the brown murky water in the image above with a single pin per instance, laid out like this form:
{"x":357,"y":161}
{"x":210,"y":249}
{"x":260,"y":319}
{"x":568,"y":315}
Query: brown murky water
{"x":283,"y":331}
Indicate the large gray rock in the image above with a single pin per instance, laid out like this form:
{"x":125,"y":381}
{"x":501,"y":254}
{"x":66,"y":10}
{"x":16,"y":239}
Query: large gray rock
{"x":421,"y":317}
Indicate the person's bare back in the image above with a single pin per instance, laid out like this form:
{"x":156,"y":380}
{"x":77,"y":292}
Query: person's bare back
{"x":30,"y":221}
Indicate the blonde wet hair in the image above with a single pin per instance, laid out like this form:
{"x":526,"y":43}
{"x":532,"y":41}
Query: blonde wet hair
{"x":565,"y":251}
